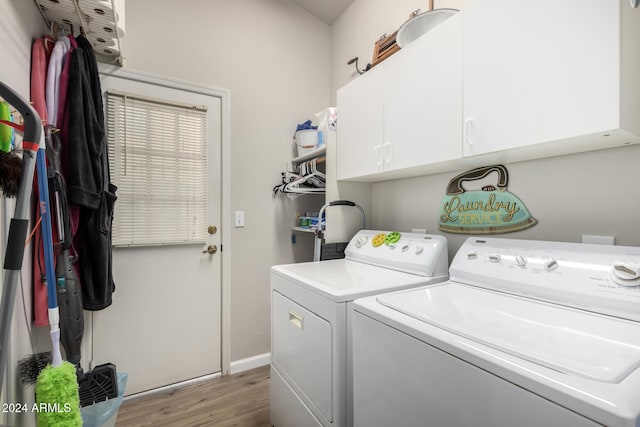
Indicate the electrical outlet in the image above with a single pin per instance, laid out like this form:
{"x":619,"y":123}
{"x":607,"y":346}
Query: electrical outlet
{"x":238,"y":219}
{"x":598,"y":240}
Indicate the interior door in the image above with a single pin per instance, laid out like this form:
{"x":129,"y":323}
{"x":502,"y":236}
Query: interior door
{"x":164,"y":325}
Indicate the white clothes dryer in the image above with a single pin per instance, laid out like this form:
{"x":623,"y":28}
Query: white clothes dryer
{"x":524,"y":333}
{"x":311,"y":319}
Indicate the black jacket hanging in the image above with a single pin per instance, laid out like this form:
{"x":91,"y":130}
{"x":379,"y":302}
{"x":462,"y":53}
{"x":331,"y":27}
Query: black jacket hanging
{"x":88,"y":180}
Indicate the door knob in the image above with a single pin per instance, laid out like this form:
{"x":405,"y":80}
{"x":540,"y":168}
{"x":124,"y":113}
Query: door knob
{"x":212,"y":229}
{"x":211,"y":249}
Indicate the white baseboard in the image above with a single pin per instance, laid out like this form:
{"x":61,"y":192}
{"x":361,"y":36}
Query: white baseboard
{"x":250,"y":363}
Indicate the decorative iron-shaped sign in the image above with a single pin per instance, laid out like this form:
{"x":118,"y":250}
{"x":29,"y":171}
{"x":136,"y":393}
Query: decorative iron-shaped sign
{"x":491,"y":210}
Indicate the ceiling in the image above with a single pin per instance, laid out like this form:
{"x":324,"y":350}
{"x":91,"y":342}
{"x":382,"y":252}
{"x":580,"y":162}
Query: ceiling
{"x":325,"y":10}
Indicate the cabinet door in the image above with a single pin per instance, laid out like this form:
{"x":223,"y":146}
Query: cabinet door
{"x":423,"y":99}
{"x":539,"y":71}
{"x":360,"y":126}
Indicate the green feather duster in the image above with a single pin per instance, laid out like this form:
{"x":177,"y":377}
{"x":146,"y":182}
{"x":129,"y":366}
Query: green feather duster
{"x":57,"y":399}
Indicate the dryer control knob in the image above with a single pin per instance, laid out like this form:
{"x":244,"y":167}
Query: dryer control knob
{"x":494,"y":258}
{"x":521,"y":261}
{"x":626,"y":273}
{"x":551,"y":264}
{"x":472,"y":255}
{"x":419,"y":249}
{"x":360,"y":241}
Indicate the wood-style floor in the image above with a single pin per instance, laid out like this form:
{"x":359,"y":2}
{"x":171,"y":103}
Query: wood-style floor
{"x":240,"y":400}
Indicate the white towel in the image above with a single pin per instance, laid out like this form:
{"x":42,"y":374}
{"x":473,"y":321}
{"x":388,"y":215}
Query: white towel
{"x":58,"y":56}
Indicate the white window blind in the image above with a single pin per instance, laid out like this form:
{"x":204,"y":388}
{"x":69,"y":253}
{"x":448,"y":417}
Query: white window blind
{"x":158,"y":160}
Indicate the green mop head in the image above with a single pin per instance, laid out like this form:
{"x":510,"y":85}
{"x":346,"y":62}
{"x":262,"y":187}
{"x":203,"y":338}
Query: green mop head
{"x":57,"y":399}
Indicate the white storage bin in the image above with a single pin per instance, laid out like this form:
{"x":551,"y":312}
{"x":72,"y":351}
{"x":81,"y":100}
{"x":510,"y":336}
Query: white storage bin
{"x":306,"y":140}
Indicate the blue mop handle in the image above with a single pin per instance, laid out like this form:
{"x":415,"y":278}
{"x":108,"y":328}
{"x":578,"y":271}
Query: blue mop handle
{"x":47,"y":241}
{"x":47,"y":235}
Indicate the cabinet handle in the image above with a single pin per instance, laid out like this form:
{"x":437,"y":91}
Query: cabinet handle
{"x":467,"y":131}
{"x":388,"y":152}
{"x":378,"y":150}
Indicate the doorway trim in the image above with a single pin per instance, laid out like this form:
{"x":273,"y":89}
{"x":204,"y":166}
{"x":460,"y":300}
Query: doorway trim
{"x":225,"y":176}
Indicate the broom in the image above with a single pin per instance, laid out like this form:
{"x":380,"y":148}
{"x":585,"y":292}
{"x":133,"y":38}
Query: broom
{"x":57,"y":387}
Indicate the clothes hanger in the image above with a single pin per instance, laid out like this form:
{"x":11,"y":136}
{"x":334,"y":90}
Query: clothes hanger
{"x":316,"y":170}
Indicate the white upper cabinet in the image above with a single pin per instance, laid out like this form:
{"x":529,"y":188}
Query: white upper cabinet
{"x":422,"y":92}
{"x":501,"y":81}
{"x":406,"y":112}
{"x":536,"y":73}
{"x":360,"y":130}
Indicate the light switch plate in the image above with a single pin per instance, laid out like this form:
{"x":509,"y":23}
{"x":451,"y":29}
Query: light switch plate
{"x":238,"y":219}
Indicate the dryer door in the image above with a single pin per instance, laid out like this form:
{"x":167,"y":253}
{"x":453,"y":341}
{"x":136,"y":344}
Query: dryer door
{"x":302,"y":353}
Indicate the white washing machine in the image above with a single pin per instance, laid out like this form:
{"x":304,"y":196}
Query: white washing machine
{"x":311,"y":319}
{"x":525,"y":333}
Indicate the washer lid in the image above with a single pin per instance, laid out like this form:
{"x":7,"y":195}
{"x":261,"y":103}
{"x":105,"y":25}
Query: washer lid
{"x":344,"y":280}
{"x":572,"y":341}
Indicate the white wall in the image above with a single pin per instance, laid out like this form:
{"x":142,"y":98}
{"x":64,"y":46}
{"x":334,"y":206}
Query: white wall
{"x":589,"y":193}
{"x":275,"y":59}
{"x":20,"y":22}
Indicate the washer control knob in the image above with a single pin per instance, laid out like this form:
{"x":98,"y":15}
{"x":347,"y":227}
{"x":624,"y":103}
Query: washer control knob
{"x":472,"y":255}
{"x":521,"y":261}
{"x":551,"y":264}
{"x":405,"y":248}
{"x":626,"y":273}
{"x":494,"y":258}
{"x":419,"y":249}
{"x":392,"y":246}
{"x":361,"y":241}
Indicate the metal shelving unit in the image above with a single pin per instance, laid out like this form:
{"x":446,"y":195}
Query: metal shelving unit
{"x":101,"y":21}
